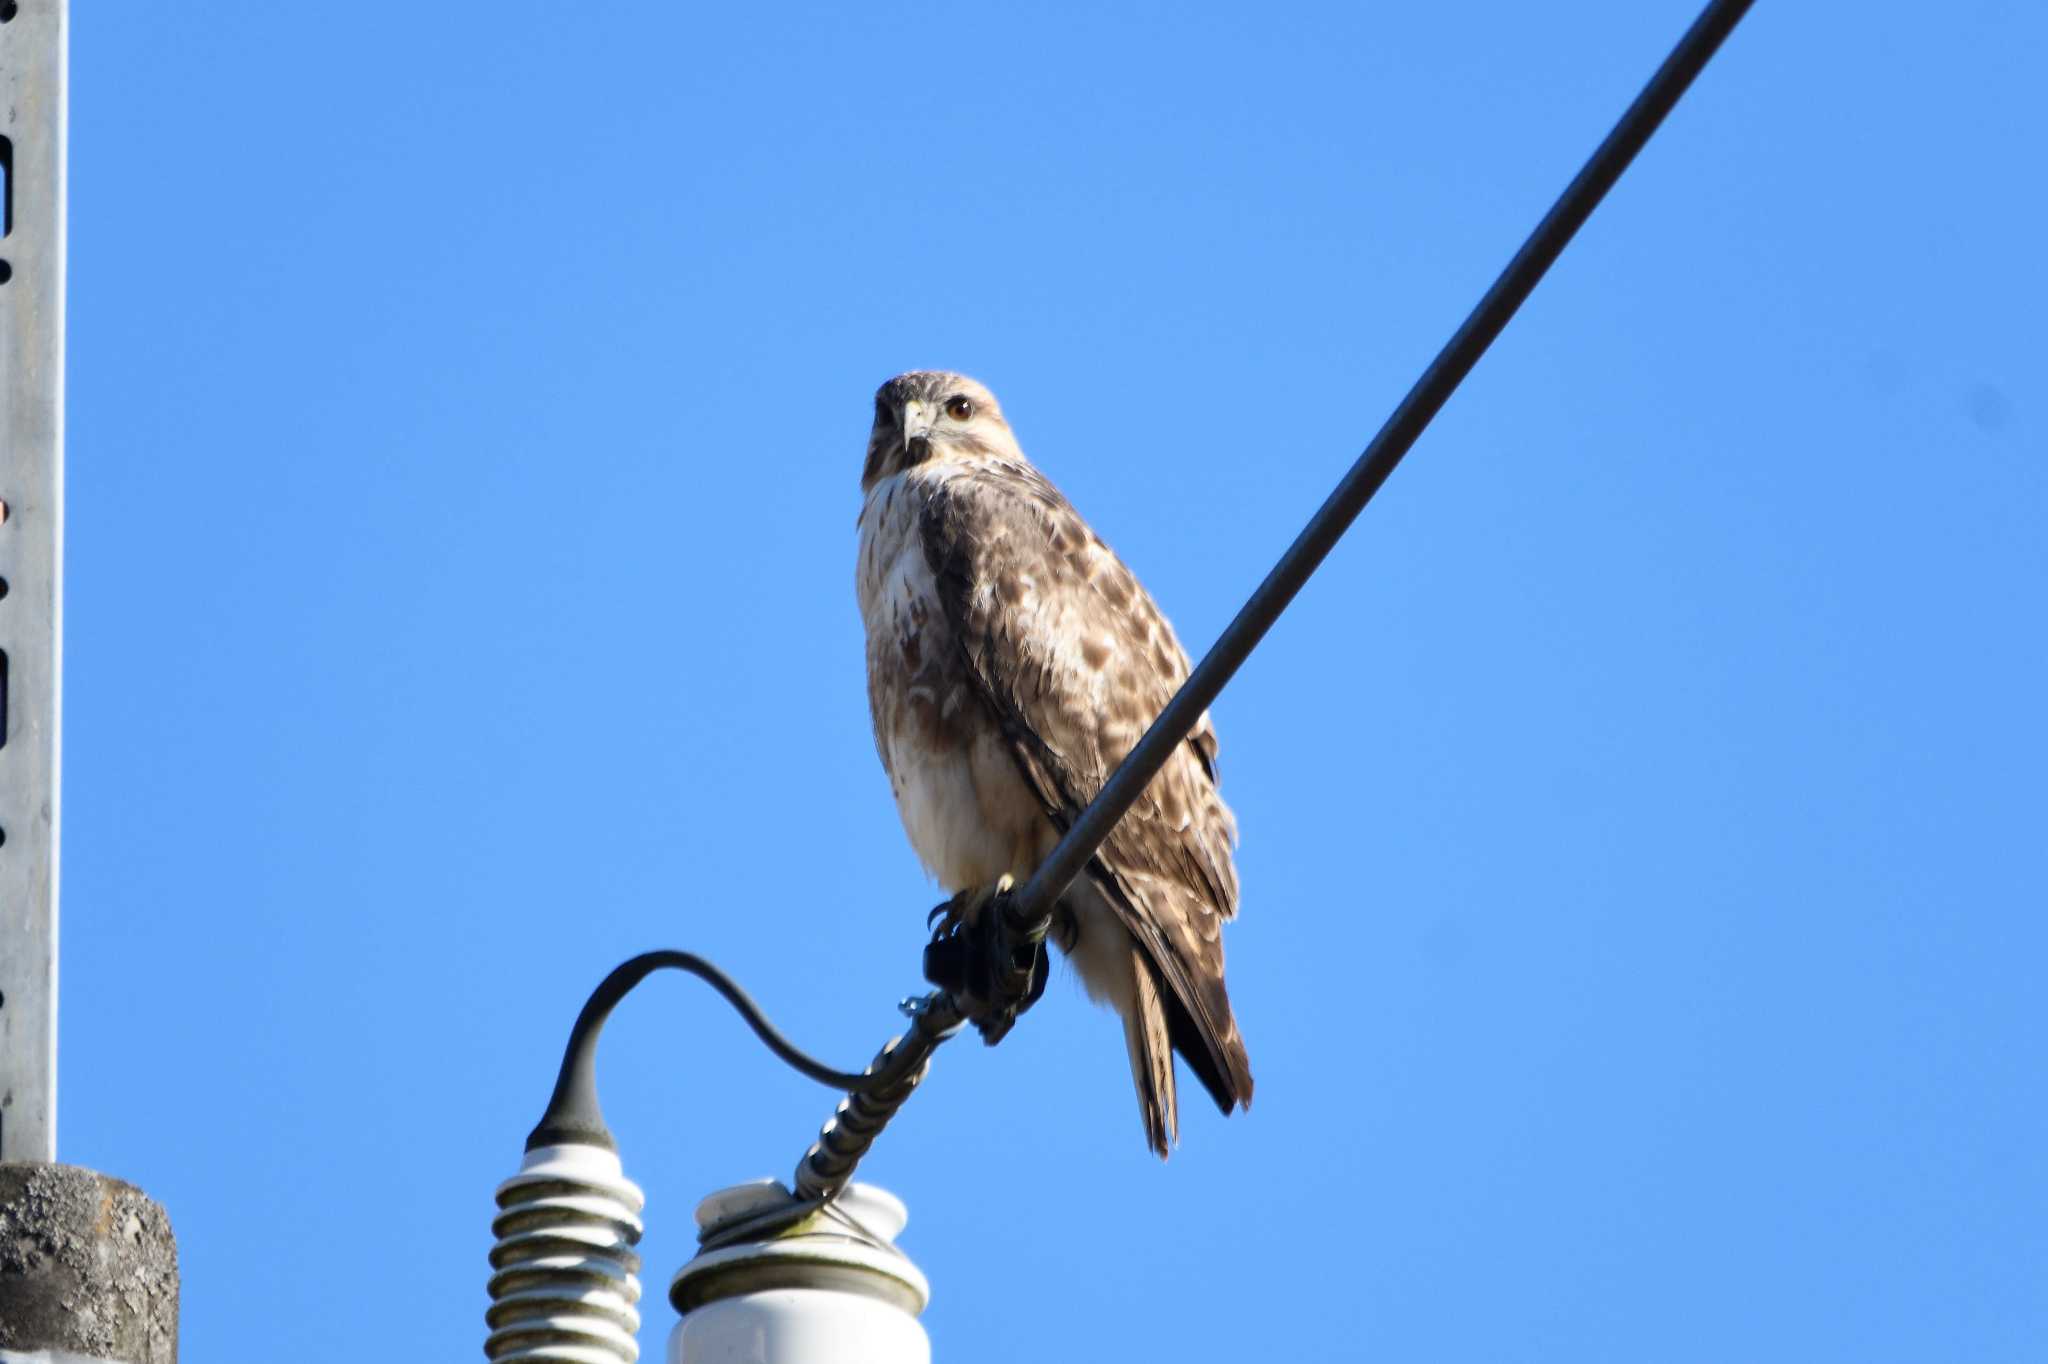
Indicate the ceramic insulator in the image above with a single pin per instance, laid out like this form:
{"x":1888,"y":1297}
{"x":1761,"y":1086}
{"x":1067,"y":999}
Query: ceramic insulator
{"x":563,"y":1286}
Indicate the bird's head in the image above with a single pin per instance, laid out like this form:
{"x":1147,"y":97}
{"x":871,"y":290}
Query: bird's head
{"x":930,"y":415}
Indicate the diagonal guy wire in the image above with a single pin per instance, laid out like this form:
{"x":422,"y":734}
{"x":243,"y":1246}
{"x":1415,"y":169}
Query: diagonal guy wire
{"x":1023,"y":917}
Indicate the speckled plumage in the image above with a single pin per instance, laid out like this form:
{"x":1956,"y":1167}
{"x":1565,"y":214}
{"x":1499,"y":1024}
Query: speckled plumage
{"x":1012,"y":662}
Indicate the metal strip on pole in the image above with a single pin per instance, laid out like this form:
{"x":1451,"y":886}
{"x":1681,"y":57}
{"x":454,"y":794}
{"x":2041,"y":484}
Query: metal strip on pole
{"x":88,"y":1263}
{"x":32,"y":74}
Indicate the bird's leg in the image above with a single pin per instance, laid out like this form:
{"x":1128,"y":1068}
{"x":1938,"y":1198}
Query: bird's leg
{"x":975,"y":955}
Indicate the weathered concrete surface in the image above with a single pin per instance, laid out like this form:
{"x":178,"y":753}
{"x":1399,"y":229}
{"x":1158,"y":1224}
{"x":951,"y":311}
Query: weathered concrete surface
{"x":87,"y":1265}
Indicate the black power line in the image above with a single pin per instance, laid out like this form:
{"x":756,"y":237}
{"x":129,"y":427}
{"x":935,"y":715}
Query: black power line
{"x":1034,"y":903}
{"x":1015,"y":932}
{"x":1021,"y":924}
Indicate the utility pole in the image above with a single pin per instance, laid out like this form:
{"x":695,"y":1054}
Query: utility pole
{"x":88,"y":1267}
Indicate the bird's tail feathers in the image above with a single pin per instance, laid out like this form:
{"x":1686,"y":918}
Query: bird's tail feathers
{"x":1147,"y":1038}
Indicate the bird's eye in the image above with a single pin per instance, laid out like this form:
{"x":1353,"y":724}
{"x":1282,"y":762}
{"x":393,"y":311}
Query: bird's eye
{"x":959,"y":407}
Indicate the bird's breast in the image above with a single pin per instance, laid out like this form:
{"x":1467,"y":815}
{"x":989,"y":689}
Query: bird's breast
{"x":965,"y":806}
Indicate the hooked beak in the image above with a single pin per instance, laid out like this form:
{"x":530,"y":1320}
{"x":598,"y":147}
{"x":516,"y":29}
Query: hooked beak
{"x":917,"y":431}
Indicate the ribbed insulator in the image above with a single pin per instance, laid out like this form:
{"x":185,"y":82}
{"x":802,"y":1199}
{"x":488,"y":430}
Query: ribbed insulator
{"x":563,"y":1290}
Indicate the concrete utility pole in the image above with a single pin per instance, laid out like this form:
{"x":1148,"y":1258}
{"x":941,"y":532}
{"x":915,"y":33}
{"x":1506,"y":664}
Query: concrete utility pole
{"x":88,"y":1268}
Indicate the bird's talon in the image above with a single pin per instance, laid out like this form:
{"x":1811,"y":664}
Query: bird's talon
{"x":974,"y":956}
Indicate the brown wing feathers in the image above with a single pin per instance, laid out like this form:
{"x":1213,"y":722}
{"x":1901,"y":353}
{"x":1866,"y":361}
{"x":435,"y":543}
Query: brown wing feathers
{"x":1166,"y":868}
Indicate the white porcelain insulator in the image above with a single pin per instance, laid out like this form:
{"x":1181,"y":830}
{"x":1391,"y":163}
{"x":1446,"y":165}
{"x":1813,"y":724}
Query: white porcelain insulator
{"x":830,"y":1289}
{"x":563,"y":1284}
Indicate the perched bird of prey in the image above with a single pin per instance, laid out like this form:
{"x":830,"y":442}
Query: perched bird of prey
{"x":1012,"y":662}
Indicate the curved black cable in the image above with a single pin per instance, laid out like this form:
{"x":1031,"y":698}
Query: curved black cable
{"x":573,"y":1114}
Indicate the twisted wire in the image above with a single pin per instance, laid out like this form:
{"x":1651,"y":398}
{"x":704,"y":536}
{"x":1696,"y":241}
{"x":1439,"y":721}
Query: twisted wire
{"x":891,"y":1078}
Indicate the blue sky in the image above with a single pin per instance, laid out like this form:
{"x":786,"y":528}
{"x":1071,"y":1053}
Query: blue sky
{"x":1643,"y":812}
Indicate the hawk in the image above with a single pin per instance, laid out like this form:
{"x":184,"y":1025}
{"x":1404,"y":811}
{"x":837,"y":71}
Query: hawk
{"x":1012,"y":662}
